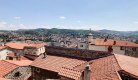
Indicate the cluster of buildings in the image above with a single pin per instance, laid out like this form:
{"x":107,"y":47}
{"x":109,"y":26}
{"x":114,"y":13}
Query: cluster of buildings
{"x":92,"y":59}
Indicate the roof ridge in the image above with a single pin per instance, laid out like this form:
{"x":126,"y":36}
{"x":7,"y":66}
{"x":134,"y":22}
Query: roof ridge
{"x":117,"y":61}
{"x":10,"y":62}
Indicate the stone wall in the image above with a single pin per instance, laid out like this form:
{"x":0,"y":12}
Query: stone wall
{"x":30,"y":50}
{"x":24,"y":73}
{"x":18,"y":51}
{"x":76,"y":52}
{"x":131,"y":51}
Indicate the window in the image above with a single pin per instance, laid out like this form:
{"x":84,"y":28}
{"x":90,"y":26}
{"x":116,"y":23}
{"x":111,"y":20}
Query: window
{"x":134,"y":49}
{"x":17,"y":74}
{"x":38,"y":70}
{"x":121,"y":48}
{"x":81,"y":45}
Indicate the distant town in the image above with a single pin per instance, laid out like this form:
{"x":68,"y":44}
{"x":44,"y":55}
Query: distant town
{"x":64,"y":37}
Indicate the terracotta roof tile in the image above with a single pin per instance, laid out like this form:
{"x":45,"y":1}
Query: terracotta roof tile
{"x":118,"y":42}
{"x":22,"y":45}
{"x":70,"y":73}
{"x":55,"y":63}
{"x":20,"y":63}
{"x":12,"y":55}
{"x":2,"y":47}
{"x":4,"y":79}
{"x":102,"y":68}
{"x":127,"y":63}
{"x":6,"y":67}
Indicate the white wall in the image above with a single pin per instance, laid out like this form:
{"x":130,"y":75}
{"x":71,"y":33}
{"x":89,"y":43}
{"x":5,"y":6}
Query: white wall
{"x":84,"y":46}
{"x":40,"y":50}
{"x":97,"y":48}
{"x":116,"y":49}
{"x":3,"y":54}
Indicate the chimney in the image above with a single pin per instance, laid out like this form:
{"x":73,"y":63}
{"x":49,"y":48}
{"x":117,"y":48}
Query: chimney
{"x":105,"y":39}
{"x":87,"y":72}
{"x":114,"y":42}
{"x":44,"y":55}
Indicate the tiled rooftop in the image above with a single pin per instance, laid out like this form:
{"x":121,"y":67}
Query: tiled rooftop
{"x":4,"y":79}
{"x":12,"y":55}
{"x":102,"y":68}
{"x":118,"y":42}
{"x":6,"y":67}
{"x":22,"y":45}
{"x":127,"y":63}
{"x":55,"y":63}
{"x":70,"y":73}
{"x":2,"y":47}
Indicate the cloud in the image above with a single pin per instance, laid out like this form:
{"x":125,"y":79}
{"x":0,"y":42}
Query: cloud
{"x":17,"y":21}
{"x":78,"y":21}
{"x":135,"y":22}
{"x":58,"y":25}
{"x":62,"y":17}
{"x":16,"y":17}
{"x":23,"y":26}
{"x":2,"y":24}
{"x":12,"y":26}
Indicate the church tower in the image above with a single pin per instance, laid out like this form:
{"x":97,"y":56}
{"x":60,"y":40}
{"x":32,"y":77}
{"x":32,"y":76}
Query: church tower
{"x":89,"y":37}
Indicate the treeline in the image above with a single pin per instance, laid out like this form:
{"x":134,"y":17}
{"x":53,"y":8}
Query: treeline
{"x":48,"y":32}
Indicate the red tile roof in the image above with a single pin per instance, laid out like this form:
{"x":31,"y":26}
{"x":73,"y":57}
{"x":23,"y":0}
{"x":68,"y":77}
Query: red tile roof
{"x":55,"y":63}
{"x":118,"y":42}
{"x":22,"y":45}
{"x":102,"y":68}
{"x":70,"y":73}
{"x":4,"y":79}
{"x":6,"y":67}
{"x":12,"y":55}
{"x":127,"y":63}
{"x":20,"y":63}
{"x":2,"y":47}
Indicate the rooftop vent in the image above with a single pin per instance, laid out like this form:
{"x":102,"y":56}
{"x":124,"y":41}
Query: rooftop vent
{"x":87,"y":66}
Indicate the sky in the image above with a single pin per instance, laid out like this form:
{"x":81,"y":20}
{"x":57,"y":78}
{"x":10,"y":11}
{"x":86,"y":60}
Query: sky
{"x":120,"y":15}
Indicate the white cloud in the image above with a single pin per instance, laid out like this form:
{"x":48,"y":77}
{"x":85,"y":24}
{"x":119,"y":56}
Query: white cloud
{"x":2,"y":24}
{"x":78,"y":21}
{"x":62,"y":17}
{"x":135,"y":22}
{"x":23,"y":26}
{"x":12,"y":26}
{"x":58,"y":25}
{"x":16,"y":17}
{"x":17,"y":21}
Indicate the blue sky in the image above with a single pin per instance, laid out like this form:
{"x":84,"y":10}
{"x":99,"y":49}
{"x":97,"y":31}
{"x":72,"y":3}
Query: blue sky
{"x":121,"y":15}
